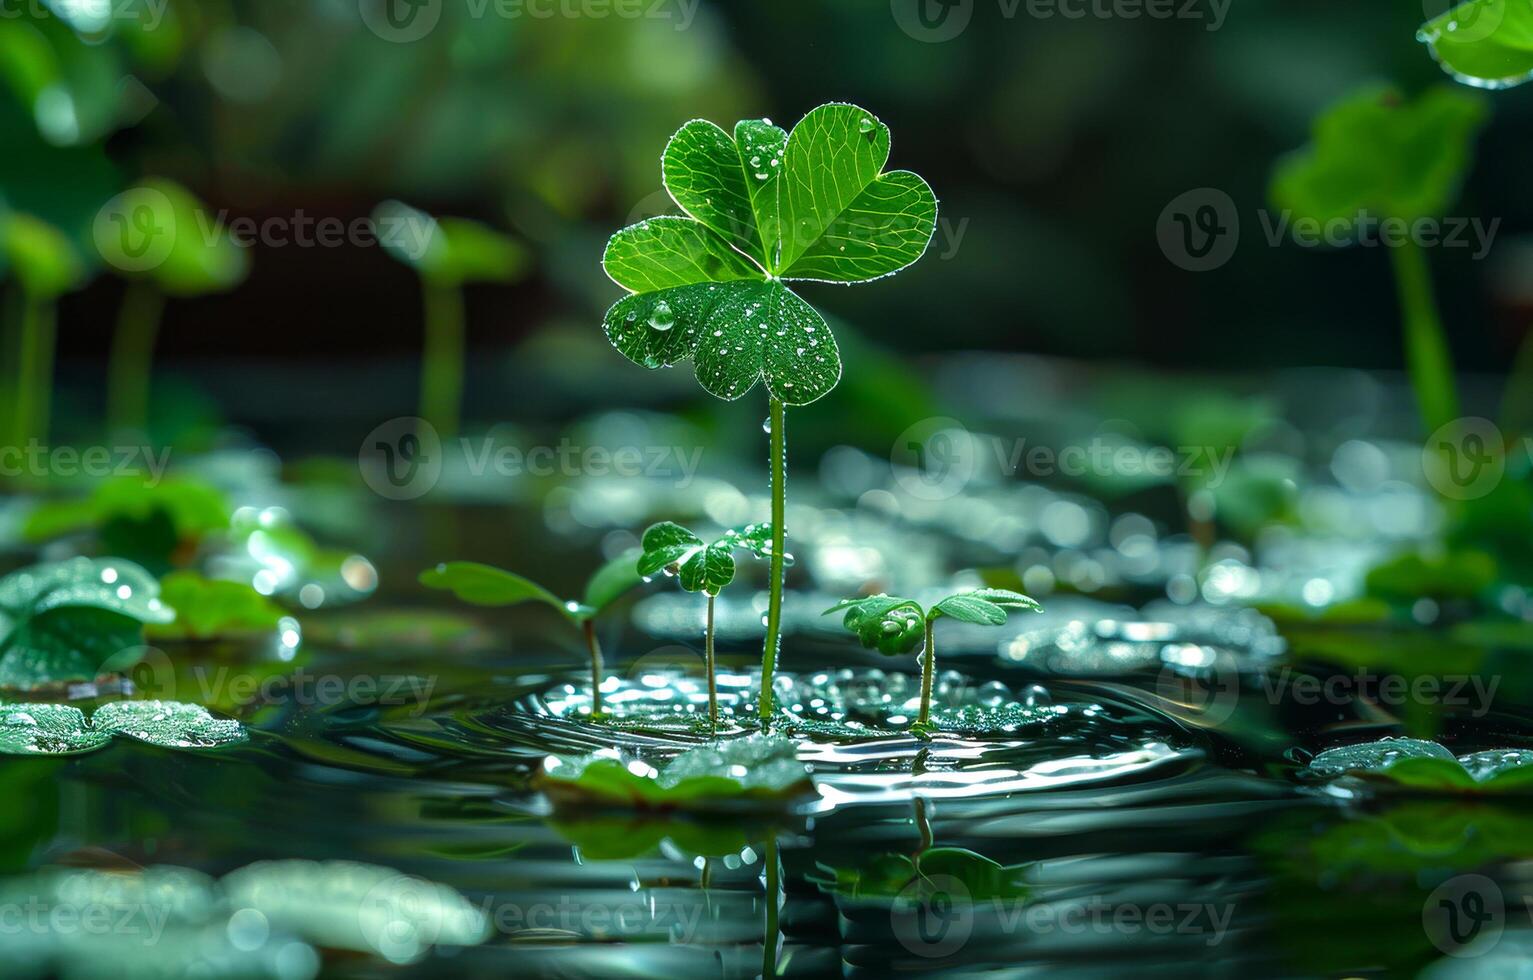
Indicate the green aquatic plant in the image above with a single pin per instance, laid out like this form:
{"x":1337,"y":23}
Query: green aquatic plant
{"x":752,"y":774}
{"x":895,"y":626}
{"x":44,"y":265}
{"x":1428,"y":767}
{"x":167,"y":245}
{"x":209,"y":609}
{"x":1484,"y":43}
{"x":764,"y":207}
{"x":154,"y":523}
{"x":485,"y":585}
{"x":704,"y":567}
{"x":75,"y":620}
{"x":447,"y":254}
{"x":59,"y":729}
{"x":1378,"y":156}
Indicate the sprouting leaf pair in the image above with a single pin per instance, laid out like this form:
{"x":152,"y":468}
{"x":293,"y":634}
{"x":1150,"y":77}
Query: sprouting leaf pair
{"x":895,"y":626}
{"x":763,"y":207}
{"x":700,"y":566}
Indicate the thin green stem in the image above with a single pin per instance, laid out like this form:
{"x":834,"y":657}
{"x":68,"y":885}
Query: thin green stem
{"x":928,"y":663}
{"x":132,"y":363}
{"x":34,"y":373}
{"x":589,"y":628}
{"x":770,"y":939}
{"x":924,"y":826}
{"x":1517,"y":402}
{"x":442,"y":367}
{"x":1426,"y":349}
{"x":713,"y":683}
{"x":774,"y":603}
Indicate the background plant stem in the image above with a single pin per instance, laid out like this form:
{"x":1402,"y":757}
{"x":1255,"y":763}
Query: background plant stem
{"x":713,"y":684}
{"x":442,"y":368}
{"x":774,"y":603}
{"x":594,"y":645}
{"x":1426,"y":350}
{"x":132,"y":362}
{"x":34,"y":372}
{"x":769,"y":936}
{"x":928,"y":663}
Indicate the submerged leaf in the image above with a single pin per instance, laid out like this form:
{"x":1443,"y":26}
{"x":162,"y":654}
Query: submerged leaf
{"x":70,"y":620}
{"x":754,"y":772}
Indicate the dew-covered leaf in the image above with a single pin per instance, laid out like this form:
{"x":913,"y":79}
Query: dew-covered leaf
{"x":967,"y":608}
{"x":485,"y":585}
{"x":168,"y":724}
{"x":666,"y":544}
{"x":1485,"y":43}
{"x":67,"y":620}
{"x":1375,"y":756}
{"x":709,"y":569}
{"x":890,"y":624}
{"x":46,"y":729}
{"x":705,"y":171}
{"x":842,"y":220}
{"x":1378,"y":153}
{"x":751,"y":773}
{"x":1008,"y":599}
{"x":762,"y":331}
{"x":755,"y":538}
{"x":670,"y":251}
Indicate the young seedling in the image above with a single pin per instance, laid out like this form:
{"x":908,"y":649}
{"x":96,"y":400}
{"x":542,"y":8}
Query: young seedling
{"x":485,"y":585}
{"x":44,"y":266}
{"x":895,"y":626}
{"x":171,"y":250}
{"x":1376,"y":154}
{"x":764,"y":207}
{"x":1484,"y":43}
{"x":447,"y":253}
{"x":701,"y":567}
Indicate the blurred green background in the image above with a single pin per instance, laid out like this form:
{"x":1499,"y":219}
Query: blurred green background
{"x":1053,"y":143}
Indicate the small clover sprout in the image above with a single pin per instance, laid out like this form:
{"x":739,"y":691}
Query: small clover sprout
{"x":701,"y":567}
{"x":485,"y":585}
{"x":763,"y":208}
{"x":447,"y":254}
{"x":197,"y":261}
{"x":1375,"y":154}
{"x":895,"y":626}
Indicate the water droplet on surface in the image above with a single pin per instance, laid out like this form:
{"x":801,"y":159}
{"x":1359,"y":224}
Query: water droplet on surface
{"x":766,"y":424}
{"x":865,"y":125}
{"x":662,"y":318}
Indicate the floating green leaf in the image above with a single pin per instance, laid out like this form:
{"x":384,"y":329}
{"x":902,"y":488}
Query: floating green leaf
{"x":53,"y":729}
{"x":207,"y":609}
{"x":751,"y":773}
{"x":763,"y":206}
{"x":1377,"y":152}
{"x":1485,"y":43}
{"x":1429,"y":767}
{"x":70,"y":620}
{"x":885,"y":878}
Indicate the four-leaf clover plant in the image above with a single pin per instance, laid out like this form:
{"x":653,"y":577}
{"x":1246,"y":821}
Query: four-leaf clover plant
{"x":895,"y":626}
{"x":764,"y":208}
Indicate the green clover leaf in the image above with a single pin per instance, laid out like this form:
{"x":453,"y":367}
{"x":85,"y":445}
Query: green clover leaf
{"x":699,"y":566}
{"x":763,"y":207}
{"x":1485,"y":43}
{"x":1374,"y":151}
